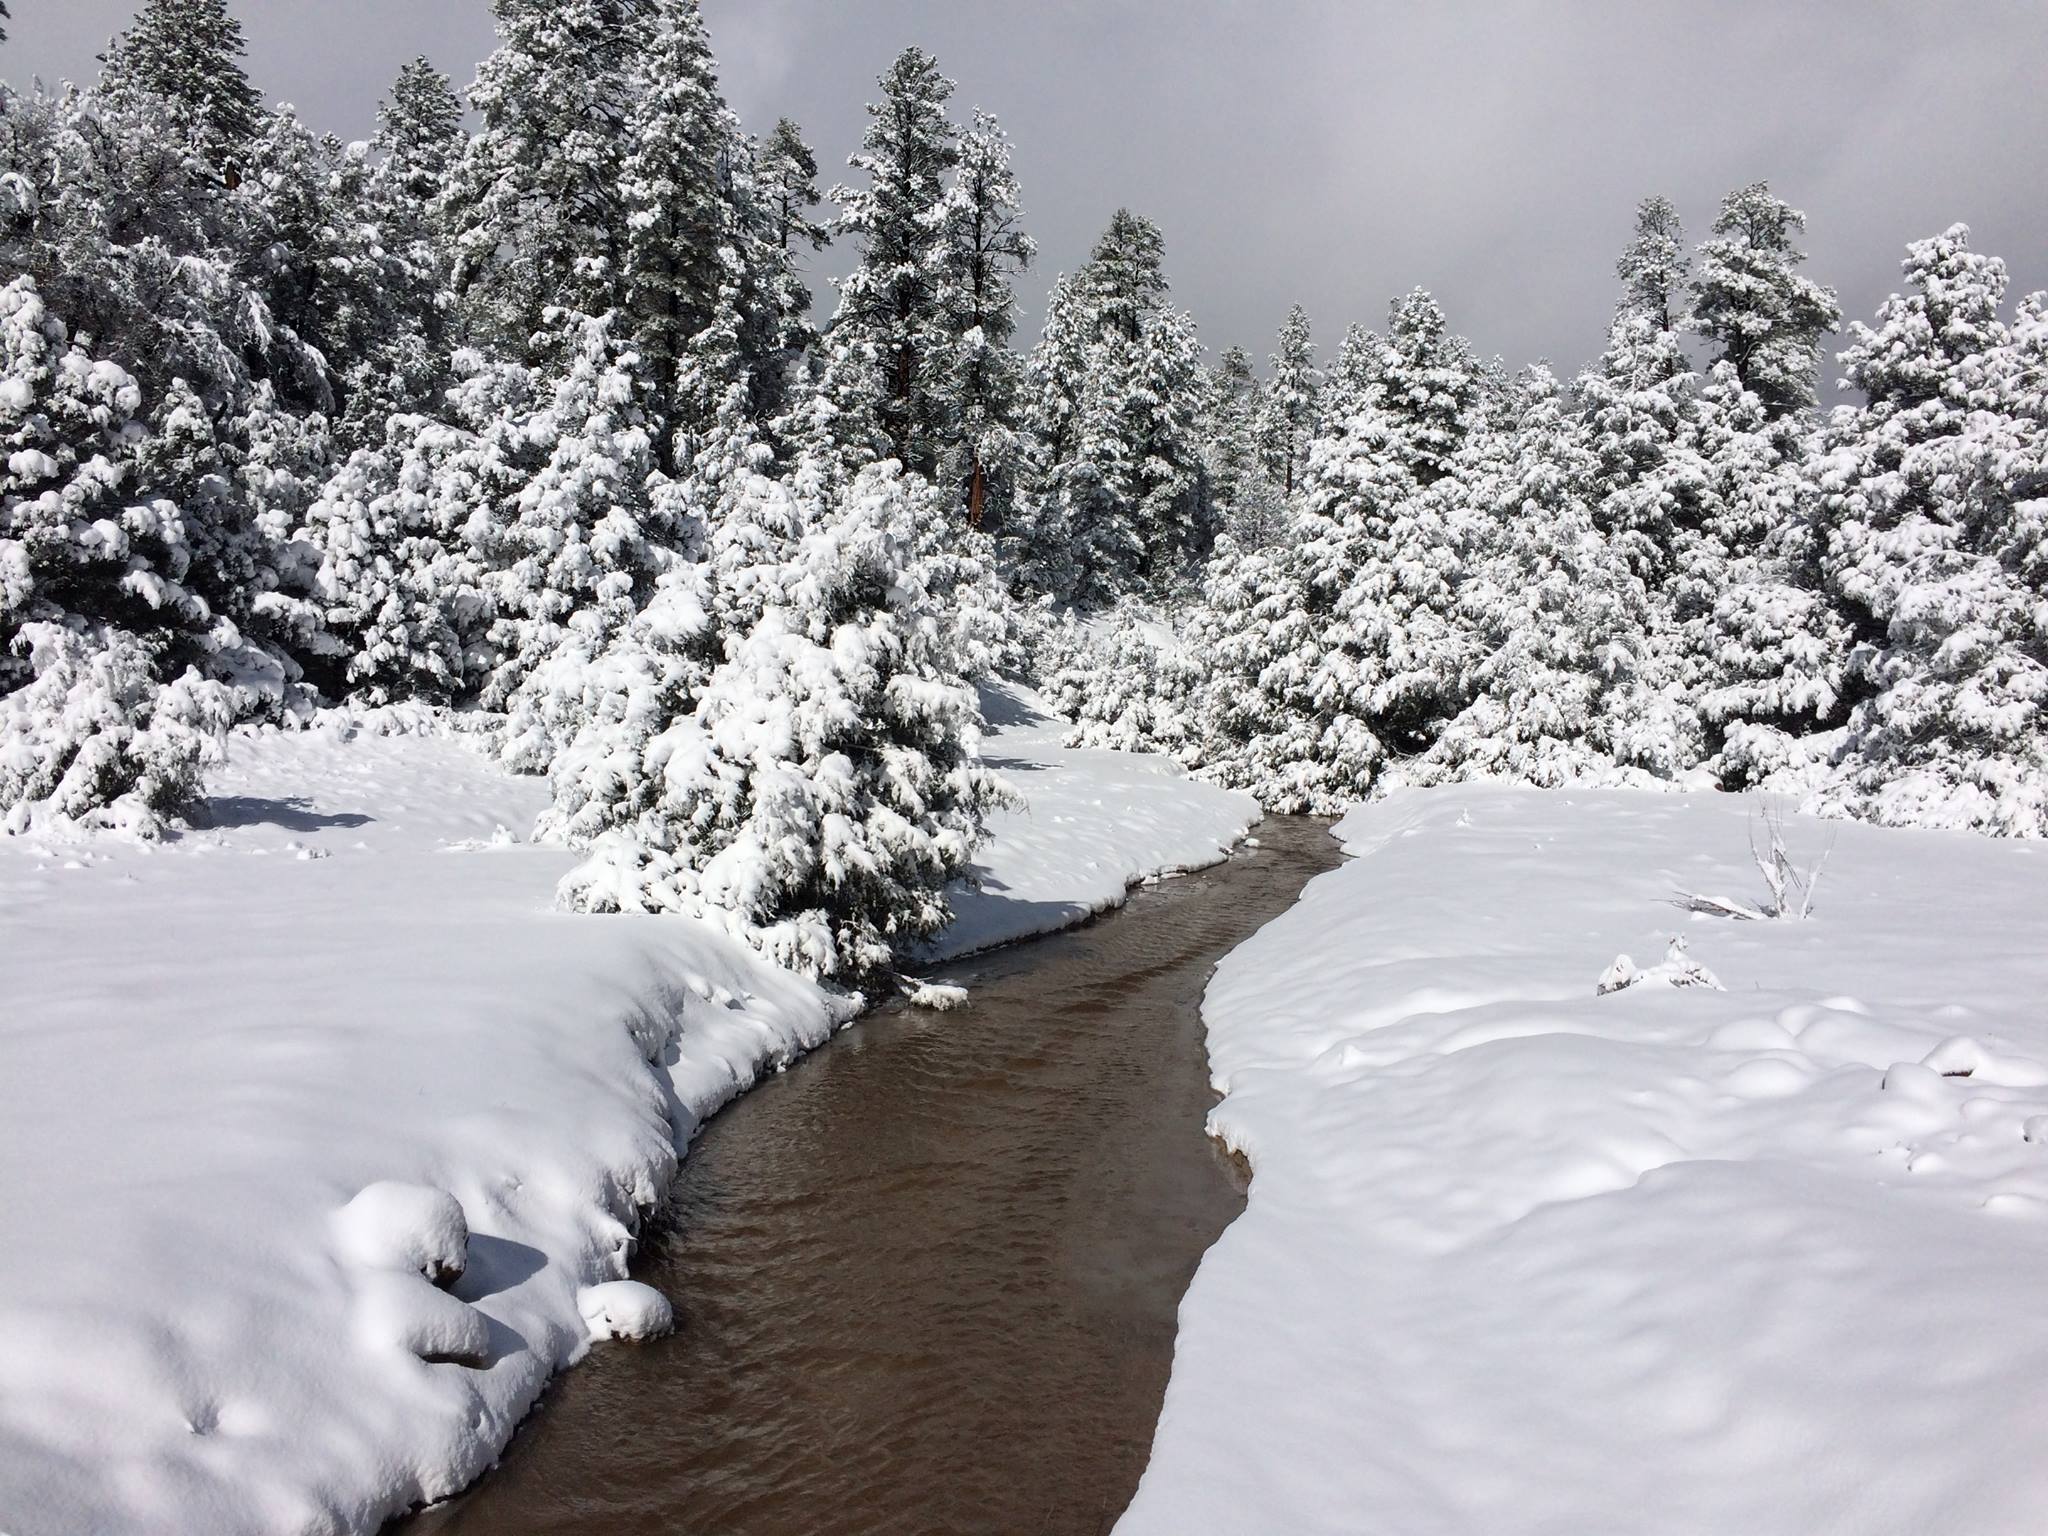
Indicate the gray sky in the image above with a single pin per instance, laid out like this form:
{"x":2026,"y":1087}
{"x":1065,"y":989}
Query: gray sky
{"x":1337,"y":152}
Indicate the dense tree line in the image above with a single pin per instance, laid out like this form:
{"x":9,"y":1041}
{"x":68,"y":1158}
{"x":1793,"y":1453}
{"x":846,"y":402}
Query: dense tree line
{"x":1674,"y":568}
{"x":528,"y":417}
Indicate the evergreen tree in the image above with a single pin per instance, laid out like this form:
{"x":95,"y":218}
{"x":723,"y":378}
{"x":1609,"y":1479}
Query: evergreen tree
{"x":788,"y":173}
{"x":679,"y":266}
{"x":1750,"y":300}
{"x":982,"y":244}
{"x":579,"y":533}
{"x":825,"y":790}
{"x":419,"y":133}
{"x":1429,"y":385}
{"x":537,"y":218}
{"x":1250,"y":505}
{"x":890,"y":337}
{"x":1930,"y":499}
{"x":1564,"y":684}
{"x":1354,"y":379}
{"x":1653,"y":269}
{"x":1118,"y":398}
{"x":188,"y":53}
{"x":1287,"y":421}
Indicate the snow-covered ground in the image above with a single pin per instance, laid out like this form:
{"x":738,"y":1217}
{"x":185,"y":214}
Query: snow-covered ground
{"x":1521,"y":1259}
{"x":209,"y":1050}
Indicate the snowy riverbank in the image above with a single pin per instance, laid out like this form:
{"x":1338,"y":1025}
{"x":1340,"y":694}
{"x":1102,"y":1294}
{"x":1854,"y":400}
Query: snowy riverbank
{"x":1519,"y":1259}
{"x":208,"y":1048}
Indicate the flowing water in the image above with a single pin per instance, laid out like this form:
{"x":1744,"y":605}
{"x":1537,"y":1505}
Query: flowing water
{"x":927,"y":1280}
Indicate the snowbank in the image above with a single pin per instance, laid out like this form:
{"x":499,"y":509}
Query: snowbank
{"x":1092,"y":824}
{"x":1523,"y":1259}
{"x":262,"y":1087}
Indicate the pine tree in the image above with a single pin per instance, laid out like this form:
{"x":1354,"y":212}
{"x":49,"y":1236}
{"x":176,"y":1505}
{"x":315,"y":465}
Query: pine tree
{"x":1118,"y":394}
{"x":1653,"y":269}
{"x":101,"y":723}
{"x":786,"y":174}
{"x":890,"y":337}
{"x":1428,"y":383}
{"x":1564,"y":684}
{"x":1354,"y":379}
{"x":189,"y":53}
{"x":1650,"y":494}
{"x":419,"y":133}
{"x":1287,"y":421}
{"x":1929,"y":499}
{"x":537,"y":218}
{"x":1749,"y":299}
{"x":825,"y":790}
{"x":982,"y":243}
{"x":578,"y":535}
{"x":679,"y":267}
{"x":1250,"y":505}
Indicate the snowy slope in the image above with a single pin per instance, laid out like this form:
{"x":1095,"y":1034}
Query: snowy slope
{"x":1518,"y":1259}
{"x":207,"y":1050}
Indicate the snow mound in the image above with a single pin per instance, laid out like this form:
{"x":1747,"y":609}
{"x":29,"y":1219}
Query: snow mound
{"x":406,"y":1226}
{"x":625,"y":1309}
{"x":406,"y":1312}
{"x":1677,"y":970}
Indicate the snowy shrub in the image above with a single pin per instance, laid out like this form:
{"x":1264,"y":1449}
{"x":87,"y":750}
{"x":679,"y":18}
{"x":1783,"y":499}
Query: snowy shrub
{"x":826,"y":788}
{"x":95,"y":742}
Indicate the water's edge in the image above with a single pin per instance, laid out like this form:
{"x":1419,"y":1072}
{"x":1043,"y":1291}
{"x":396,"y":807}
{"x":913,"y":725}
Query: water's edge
{"x":927,"y":1276}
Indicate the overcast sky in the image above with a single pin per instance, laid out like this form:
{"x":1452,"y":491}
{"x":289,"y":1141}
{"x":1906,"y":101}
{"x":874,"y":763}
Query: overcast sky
{"x":1337,"y":152}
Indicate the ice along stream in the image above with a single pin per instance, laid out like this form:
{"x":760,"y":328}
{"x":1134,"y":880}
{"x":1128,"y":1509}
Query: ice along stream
{"x":927,"y":1280}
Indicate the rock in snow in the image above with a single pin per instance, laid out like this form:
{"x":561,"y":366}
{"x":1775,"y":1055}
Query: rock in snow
{"x":406,"y":1226}
{"x":625,"y":1309}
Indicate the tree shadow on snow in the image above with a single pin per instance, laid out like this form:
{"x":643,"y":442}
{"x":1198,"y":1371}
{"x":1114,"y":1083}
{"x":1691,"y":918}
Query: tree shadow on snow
{"x":1001,"y":706}
{"x":222,"y":812}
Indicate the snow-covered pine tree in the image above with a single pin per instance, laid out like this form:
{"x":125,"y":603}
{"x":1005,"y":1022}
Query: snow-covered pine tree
{"x":419,"y":134}
{"x":94,"y":608}
{"x":1118,"y":396}
{"x":188,"y":53}
{"x":578,"y":538}
{"x":1354,"y":378}
{"x":982,"y":244}
{"x":1930,"y":501}
{"x":1428,"y":383}
{"x":1750,"y":300}
{"x":786,"y":179}
{"x":1565,"y":687}
{"x":679,"y":265}
{"x":891,"y":339}
{"x":418,"y":144}
{"x":1250,"y":506}
{"x":1770,"y":665}
{"x":537,"y":219}
{"x":1290,"y":403}
{"x":1651,"y":494}
{"x":826,"y":790}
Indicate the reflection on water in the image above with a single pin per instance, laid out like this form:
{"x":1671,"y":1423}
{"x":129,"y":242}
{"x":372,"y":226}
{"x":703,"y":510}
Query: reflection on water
{"x":926,"y":1281}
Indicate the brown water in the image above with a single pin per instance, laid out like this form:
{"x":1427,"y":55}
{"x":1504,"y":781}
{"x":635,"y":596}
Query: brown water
{"x":927,"y":1280}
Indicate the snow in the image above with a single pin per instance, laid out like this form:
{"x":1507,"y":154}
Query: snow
{"x":260,"y":1082}
{"x":1519,"y":1258}
{"x":625,"y":1309}
{"x":1092,"y":825}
